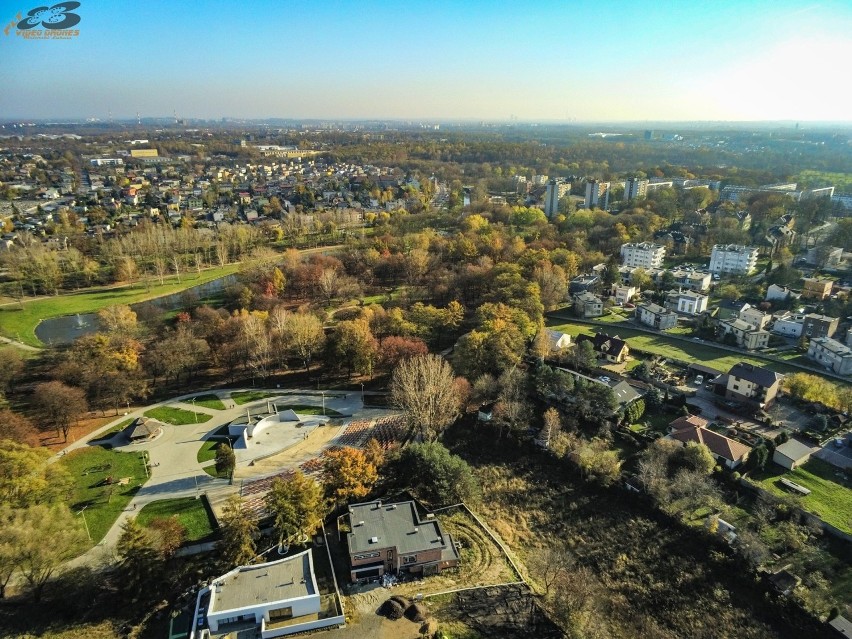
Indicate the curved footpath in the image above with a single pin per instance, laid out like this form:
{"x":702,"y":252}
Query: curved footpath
{"x":173,"y":456}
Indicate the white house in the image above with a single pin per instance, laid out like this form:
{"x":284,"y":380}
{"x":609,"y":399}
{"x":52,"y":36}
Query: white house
{"x":831,"y":354}
{"x":558,"y":341}
{"x":623,"y":294}
{"x":755,"y":317}
{"x":733,"y":259}
{"x":655,"y":315}
{"x":779,"y":293}
{"x":789,"y":324}
{"x":278,"y":598}
{"x":687,"y":302}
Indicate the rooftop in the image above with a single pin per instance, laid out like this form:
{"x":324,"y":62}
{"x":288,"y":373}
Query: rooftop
{"x":288,"y":578}
{"x":376,"y":525}
{"x":756,"y":374}
{"x":692,"y":429}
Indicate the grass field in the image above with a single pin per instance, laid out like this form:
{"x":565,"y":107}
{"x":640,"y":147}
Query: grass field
{"x":177,"y":416}
{"x":91,"y":469}
{"x":304,"y":409}
{"x":244,"y":397}
{"x":189,"y":511}
{"x":207,"y":452}
{"x":830,"y":499}
{"x":19,"y":323}
{"x":700,"y":352}
{"x":208,"y":401}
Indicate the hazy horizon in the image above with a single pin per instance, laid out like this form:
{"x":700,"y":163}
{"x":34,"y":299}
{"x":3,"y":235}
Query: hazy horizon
{"x":548,"y":62}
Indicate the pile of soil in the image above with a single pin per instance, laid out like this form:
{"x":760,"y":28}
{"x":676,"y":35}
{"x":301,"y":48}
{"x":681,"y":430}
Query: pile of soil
{"x":416,"y":612}
{"x":394,"y":608}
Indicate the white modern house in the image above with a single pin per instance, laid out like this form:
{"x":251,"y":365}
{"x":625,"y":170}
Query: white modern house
{"x":733,"y":259}
{"x":831,"y":354}
{"x":272,"y":599}
{"x":642,"y":254}
{"x":687,"y":302}
{"x":789,"y":324}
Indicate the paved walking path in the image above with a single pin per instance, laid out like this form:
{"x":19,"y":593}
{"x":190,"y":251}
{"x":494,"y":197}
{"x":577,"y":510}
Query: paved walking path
{"x":173,"y":455}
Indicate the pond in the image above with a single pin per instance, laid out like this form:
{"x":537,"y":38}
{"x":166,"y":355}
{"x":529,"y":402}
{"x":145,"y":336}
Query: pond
{"x":66,"y":328}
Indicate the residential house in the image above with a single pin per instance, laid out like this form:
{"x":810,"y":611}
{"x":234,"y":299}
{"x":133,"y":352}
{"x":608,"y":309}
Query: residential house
{"x":819,"y":325}
{"x":831,"y":354}
{"x":816,"y":288}
{"x":392,"y":538}
{"x":793,"y":453}
{"x":746,"y":335}
{"x":777,"y":293}
{"x":752,"y":384}
{"x":623,"y":294}
{"x":612,"y":349}
{"x":583,"y":283}
{"x":693,"y":428}
{"x":587,"y":305}
{"x":656,"y":316}
{"x":625,"y":394}
{"x":692,"y":279}
{"x":755,"y":317}
{"x":788,"y":324}
{"x":558,"y":341}
{"x":271,"y":599}
{"x":686,"y":302}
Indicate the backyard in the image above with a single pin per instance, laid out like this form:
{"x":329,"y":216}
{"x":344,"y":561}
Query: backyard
{"x":830,"y":497}
{"x":191,"y":512}
{"x":19,"y":323}
{"x":104,"y":483}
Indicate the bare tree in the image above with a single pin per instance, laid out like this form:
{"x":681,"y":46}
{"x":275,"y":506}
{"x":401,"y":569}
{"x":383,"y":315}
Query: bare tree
{"x":423,"y":387}
{"x":59,"y":404}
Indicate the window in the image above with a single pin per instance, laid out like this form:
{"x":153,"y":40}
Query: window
{"x":279,"y":614}
{"x":366,"y":555}
{"x":390,"y":555}
{"x":411,"y":559}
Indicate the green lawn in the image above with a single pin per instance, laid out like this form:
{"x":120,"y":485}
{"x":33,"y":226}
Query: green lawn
{"x":830,"y":499}
{"x":177,"y":416}
{"x":245,"y":397}
{"x":190,"y":511}
{"x":18,"y":323}
{"x":304,"y":409}
{"x":208,"y":401}
{"x":207,"y":452}
{"x":658,"y":344}
{"x":90,"y":469}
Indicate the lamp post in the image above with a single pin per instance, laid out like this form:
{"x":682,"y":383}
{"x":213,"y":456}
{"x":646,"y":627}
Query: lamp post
{"x":323,"y":403}
{"x":362,"y":393}
{"x":195,"y":414}
{"x":85,"y":523}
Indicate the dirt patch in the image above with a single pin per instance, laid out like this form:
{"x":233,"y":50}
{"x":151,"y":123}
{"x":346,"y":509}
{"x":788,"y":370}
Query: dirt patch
{"x":499,"y":612}
{"x":55,"y":441}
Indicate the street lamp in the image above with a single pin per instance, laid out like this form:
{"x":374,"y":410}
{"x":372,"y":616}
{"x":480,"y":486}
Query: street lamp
{"x":193,"y":410}
{"x":362,"y":393}
{"x":323,"y":403}
{"x":85,"y":523}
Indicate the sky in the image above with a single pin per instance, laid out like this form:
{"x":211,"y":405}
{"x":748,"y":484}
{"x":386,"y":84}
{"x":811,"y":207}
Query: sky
{"x":568,"y":60}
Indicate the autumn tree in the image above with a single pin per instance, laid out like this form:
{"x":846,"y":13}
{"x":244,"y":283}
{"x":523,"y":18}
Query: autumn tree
{"x":139,"y":559}
{"x":297,"y":506}
{"x":16,"y":427}
{"x":354,"y":346}
{"x":422,"y":386}
{"x":552,"y":425}
{"x":347,"y":474}
{"x":225,"y":460}
{"x":436,"y":475}
{"x":50,"y":536}
{"x":11,"y":366}
{"x":119,"y":319}
{"x":168,"y":534}
{"x":238,"y":526}
{"x":26,"y":477}
{"x":303,"y":337}
{"x":59,"y":405}
{"x":394,"y":349}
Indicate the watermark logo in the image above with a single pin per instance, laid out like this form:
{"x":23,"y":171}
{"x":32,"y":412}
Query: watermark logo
{"x":42,"y":23}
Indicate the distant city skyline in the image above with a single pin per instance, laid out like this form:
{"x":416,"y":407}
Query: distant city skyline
{"x":542,"y":61}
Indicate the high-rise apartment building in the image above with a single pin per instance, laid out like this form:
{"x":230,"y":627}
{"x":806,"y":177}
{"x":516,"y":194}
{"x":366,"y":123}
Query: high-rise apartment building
{"x":555,"y":189}
{"x":645,"y":255}
{"x":597,"y":194}
{"x":733,"y":259}
{"x":634,"y":188}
